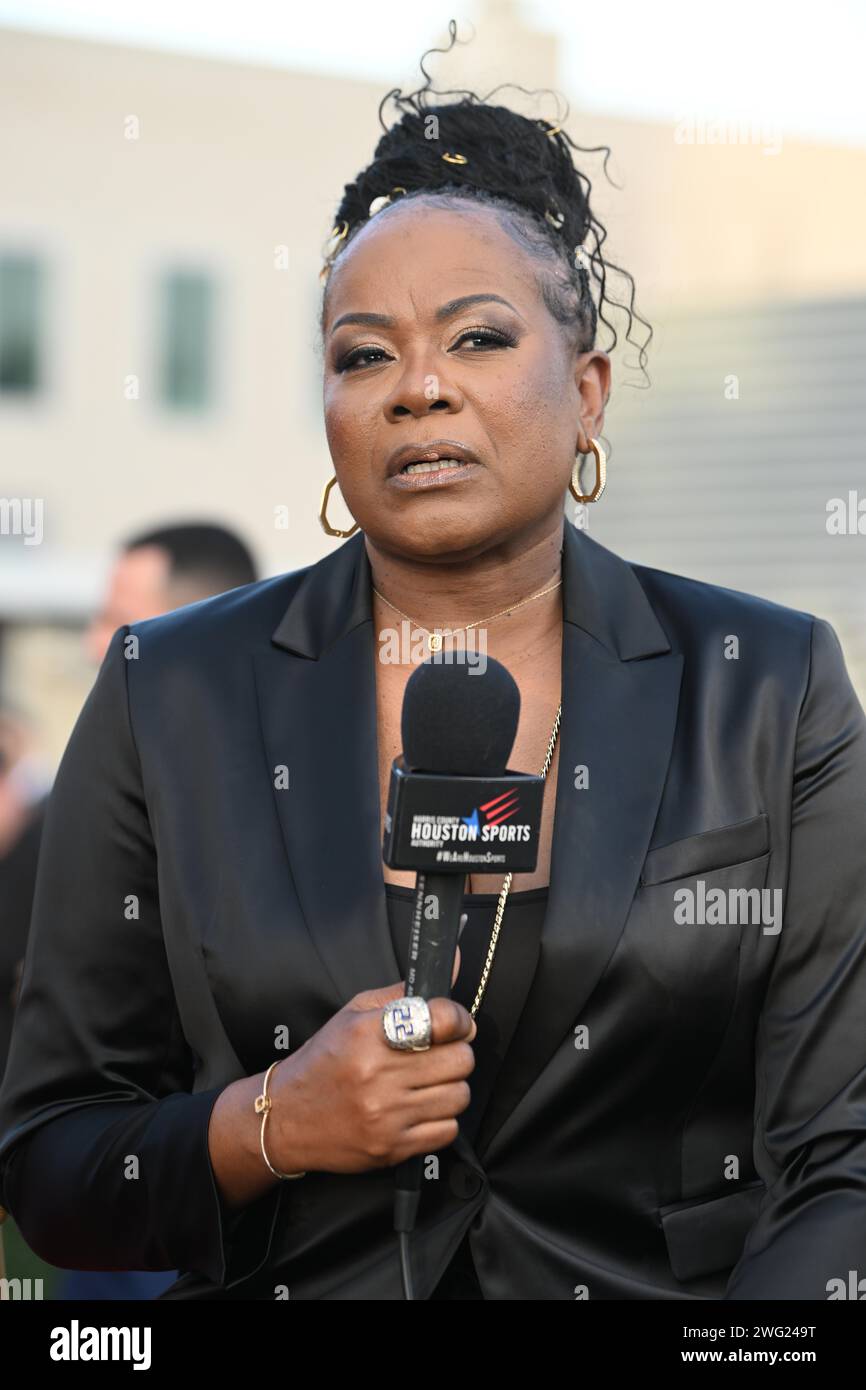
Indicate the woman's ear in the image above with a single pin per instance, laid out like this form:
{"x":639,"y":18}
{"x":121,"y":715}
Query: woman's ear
{"x":592,"y":374}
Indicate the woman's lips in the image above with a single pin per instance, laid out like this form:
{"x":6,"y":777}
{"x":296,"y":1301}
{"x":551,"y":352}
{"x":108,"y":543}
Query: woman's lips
{"x":439,"y":477}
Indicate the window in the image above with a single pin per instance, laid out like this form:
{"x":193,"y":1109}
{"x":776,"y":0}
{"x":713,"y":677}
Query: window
{"x":20,"y":324}
{"x":186,"y":367}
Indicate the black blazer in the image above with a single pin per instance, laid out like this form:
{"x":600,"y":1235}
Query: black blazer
{"x":682,"y":1111}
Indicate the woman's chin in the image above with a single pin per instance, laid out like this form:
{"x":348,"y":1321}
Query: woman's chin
{"x":449,"y":542}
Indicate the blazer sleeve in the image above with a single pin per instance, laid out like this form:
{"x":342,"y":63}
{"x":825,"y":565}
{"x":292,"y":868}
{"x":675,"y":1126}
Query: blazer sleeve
{"x":104,"y":1159}
{"x":810,"y":1101}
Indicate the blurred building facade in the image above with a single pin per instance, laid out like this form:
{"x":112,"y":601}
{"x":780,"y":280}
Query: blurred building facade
{"x":161,"y":227}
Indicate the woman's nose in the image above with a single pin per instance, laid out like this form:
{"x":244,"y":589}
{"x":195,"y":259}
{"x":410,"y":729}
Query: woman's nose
{"x":420,"y":391}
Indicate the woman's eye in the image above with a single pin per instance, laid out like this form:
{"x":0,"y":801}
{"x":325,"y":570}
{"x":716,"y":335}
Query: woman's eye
{"x":356,"y":356}
{"x":491,"y":337}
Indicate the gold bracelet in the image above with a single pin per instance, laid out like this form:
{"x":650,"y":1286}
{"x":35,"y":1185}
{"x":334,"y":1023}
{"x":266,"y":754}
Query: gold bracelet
{"x":263,"y":1108}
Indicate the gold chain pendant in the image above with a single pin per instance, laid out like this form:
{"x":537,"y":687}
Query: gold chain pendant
{"x":506,"y":887}
{"x":434,"y":641}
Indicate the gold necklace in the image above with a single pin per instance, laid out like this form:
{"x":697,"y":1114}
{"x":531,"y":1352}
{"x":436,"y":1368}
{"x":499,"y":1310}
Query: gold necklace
{"x":500,"y":906}
{"x":434,"y":639}
{"x":434,"y":644}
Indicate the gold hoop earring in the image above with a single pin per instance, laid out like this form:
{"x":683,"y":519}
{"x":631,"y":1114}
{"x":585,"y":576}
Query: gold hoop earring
{"x":600,"y":475}
{"x":323,"y":513}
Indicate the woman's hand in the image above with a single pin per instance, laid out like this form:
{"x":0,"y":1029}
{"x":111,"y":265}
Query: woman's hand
{"x":346,"y":1101}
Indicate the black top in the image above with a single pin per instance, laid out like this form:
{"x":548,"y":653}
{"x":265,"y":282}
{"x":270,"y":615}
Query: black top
{"x":498,"y":1014}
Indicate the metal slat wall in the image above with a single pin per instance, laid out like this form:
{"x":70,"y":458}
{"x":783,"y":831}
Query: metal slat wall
{"x":735,"y":490}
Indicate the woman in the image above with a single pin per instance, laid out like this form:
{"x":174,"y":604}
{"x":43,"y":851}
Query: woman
{"x":654,"y":1095}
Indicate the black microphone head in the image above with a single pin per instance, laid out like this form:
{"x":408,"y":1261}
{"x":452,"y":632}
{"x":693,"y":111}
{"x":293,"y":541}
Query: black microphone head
{"x":459,"y":719}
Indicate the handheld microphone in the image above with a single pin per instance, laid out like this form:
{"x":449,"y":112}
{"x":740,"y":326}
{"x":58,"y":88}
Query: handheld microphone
{"x":453,"y":808}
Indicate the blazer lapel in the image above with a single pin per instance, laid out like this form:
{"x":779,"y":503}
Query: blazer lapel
{"x":620,"y":692}
{"x":317,"y":702}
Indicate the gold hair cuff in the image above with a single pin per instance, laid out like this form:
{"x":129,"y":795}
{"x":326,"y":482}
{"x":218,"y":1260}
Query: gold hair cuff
{"x":263,"y":1108}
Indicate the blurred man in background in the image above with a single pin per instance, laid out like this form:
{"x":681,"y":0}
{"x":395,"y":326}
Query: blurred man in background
{"x":164,"y":569}
{"x":153,"y":573}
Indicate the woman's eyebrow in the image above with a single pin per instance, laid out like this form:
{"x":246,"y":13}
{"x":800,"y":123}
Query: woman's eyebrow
{"x":453,"y":306}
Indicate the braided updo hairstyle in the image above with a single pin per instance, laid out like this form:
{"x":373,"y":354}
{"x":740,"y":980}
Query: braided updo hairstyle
{"x":522,"y":169}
